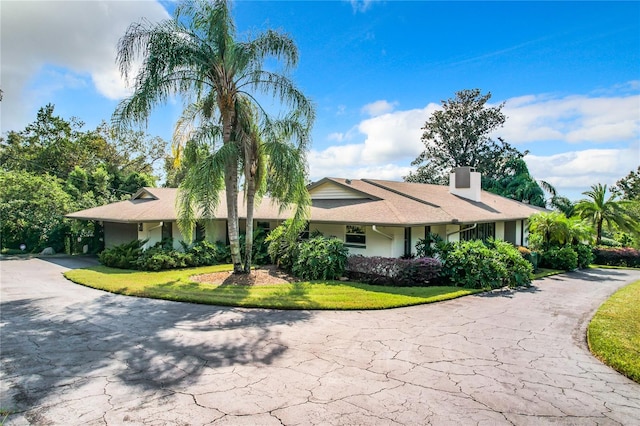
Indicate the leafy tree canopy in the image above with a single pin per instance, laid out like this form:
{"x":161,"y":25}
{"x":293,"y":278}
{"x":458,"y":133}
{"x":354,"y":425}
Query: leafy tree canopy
{"x":458,"y":135}
{"x":628,"y":188}
{"x":90,"y":167}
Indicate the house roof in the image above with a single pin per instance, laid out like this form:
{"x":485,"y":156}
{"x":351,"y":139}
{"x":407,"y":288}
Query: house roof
{"x":336,"y":200}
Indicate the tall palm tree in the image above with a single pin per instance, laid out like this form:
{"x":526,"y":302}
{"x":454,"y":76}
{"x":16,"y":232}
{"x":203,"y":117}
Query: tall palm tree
{"x":197,"y":55}
{"x":602,"y":211}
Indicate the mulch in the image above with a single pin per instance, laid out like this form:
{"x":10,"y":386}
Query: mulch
{"x":265,"y":275}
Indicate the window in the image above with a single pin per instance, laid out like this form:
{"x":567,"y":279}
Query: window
{"x":265,"y":226}
{"x":304,"y":235}
{"x":167,"y":230}
{"x":481,"y":232}
{"x":355,"y":236}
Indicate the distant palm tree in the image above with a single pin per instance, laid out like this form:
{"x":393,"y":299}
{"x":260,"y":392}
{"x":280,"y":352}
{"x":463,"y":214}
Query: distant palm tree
{"x":196,"y":54}
{"x":600,"y":210}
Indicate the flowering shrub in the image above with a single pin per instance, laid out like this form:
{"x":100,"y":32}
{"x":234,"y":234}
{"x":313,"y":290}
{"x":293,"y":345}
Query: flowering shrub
{"x":392,"y":271}
{"x":617,"y":256}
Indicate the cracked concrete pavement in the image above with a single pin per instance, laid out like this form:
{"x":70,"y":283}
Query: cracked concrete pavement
{"x":73,"y":355}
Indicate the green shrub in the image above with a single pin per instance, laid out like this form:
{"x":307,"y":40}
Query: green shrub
{"x":428,"y":246}
{"x":472,"y":265}
{"x":122,"y":256}
{"x":585,"y":255}
{"x":282,"y":248}
{"x":560,"y":258}
{"x":495,"y":264}
{"x":205,"y":253}
{"x":320,"y":258}
{"x":158,"y":258}
{"x":519,"y":269}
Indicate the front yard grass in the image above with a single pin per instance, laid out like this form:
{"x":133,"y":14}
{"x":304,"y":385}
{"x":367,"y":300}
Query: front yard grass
{"x":614,"y":332}
{"x":176,"y":285}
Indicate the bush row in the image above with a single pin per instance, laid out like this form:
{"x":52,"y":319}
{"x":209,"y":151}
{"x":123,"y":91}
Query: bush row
{"x":627,"y":256}
{"x":477,"y":264}
{"x":567,"y":258}
{"x":163,"y":256}
{"x":393,"y":271}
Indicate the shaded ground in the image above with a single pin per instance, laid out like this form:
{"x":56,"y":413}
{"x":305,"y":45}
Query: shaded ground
{"x":73,"y":355}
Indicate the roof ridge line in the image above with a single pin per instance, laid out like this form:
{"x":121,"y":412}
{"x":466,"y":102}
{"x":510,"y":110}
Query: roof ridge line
{"x":395,"y":191}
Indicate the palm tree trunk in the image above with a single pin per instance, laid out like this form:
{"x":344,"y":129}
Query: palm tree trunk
{"x":231,"y":184}
{"x":250,"y":181}
{"x":231,"y":187}
{"x":599,"y":233}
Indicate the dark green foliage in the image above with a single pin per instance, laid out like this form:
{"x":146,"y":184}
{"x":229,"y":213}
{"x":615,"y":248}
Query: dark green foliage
{"x":472,"y":264}
{"x":627,"y":256}
{"x":123,"y":256}
{"x":157,"y":258}
{"x":78,"y":169}
{"x":32,"y":210}
{"x":394,"y":271}
{"x":564,"y":258}
{"x":203,"y":253}
{"x":282,"y":248}
{"x":519,"y":268}
{"x":585,"y":255}
{"x":458,"y":134}
{"x":320,"y":259}
{"x":428,"y":246}
{"x":260,"y":253}
{"x":629,"y":186}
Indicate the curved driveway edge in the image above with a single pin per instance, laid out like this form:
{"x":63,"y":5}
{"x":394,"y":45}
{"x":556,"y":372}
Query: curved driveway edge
{"x":73,"y":355}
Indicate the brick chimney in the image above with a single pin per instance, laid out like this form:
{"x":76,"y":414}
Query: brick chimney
{"x":465,"y":182}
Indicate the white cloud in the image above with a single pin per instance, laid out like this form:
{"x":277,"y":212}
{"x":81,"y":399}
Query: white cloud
{"x":576,"y":171}
{"x":378,"y":108}
{"x":391,"y":141}
{"x":79,"y":37}
{"x":361,"y":5}
{"x":572,"y":119}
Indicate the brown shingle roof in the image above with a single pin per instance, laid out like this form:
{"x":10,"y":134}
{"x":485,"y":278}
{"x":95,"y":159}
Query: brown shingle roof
{"x":389,"y":203}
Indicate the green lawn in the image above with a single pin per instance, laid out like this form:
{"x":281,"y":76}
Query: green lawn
{"x":614,"y":332}
{"x":176,"y":285}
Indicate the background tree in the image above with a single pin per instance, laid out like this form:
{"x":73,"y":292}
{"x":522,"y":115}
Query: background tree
{"x":94,"y":167}
{"x":197,"y":54}
{"x":600,"y":210}
{"x":459,"y":135}
{"x":32,"y":209}
{"x":628,"y":188}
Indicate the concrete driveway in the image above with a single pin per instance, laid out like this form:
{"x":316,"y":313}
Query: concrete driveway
{"x":72,"y":355}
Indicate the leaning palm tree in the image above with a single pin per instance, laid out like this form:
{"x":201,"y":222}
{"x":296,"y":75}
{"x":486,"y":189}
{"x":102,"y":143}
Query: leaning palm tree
{"x":197,"y":55}
{"x":602,"y":211}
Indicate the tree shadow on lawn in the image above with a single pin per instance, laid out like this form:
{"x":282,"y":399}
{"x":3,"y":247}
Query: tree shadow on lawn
{"x":142,"y":344}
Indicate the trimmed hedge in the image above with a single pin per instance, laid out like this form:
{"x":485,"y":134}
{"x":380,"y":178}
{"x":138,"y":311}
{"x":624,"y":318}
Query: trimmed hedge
{"x":393,"y":271}
{"x":623,"y":256}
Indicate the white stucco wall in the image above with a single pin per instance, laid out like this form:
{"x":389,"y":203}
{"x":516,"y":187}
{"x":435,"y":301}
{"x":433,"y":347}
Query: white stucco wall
{"x":499,"y":231}
{"x":152,"y":232}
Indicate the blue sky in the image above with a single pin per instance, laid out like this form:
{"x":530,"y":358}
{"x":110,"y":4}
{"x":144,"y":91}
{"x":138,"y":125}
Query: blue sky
{"x":568,"y":72}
